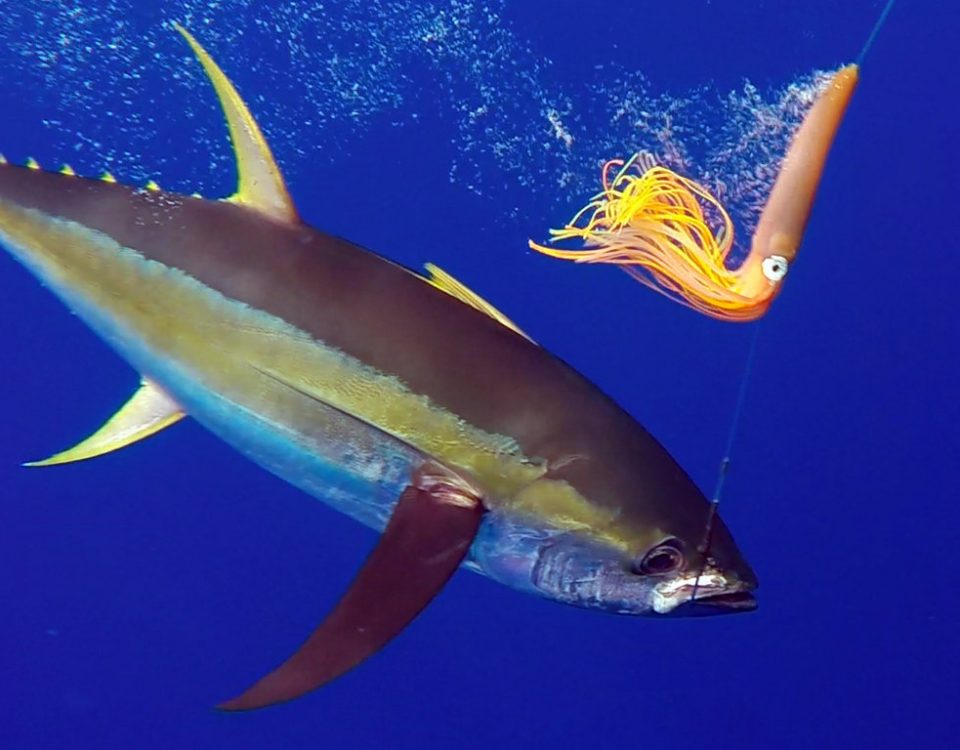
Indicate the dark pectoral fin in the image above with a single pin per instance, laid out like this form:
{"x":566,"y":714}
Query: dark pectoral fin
{"x":425,"y":541}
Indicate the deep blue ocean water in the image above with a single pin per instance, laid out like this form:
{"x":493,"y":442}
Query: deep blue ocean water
{"x":139,"y":589}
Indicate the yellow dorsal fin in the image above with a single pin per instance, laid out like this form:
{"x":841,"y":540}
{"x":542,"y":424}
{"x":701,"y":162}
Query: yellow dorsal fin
{"x":442,"y":280}
{"x":259,"y":181}
{"x":147,"y":412}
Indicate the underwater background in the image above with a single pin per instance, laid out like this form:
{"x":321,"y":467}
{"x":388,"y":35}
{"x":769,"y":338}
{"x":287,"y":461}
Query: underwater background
{"x":139,"y":589}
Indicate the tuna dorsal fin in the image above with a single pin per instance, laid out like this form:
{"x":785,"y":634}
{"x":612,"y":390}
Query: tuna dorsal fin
{"x":260,"y":184}
{"x":148,"y":411}
{"x":442,"y":280}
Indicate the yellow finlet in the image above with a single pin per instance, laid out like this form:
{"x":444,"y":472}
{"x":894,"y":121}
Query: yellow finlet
{"x":442,"y":280}
{"x":32,"y":163}
{"x":152,"y":186}
{"x":3,"y":159}
{"x":67,"y":170}
{"x":259,"y":181}
{"x":107,"y":177}
{"x":147,"y":412}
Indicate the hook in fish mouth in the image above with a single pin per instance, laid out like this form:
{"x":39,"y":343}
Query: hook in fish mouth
{"x":710,"y":593}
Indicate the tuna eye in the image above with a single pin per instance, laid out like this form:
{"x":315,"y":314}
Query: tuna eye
{"x":664,"y":558}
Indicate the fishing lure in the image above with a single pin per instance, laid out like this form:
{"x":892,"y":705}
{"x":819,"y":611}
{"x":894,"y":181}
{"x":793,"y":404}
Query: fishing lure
{"x":673,"y":235}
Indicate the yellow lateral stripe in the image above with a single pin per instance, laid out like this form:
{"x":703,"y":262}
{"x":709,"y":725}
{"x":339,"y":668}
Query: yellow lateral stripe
{"x":259,"y":181}
{"x":147,"y":412}
{"x":268,"y":366}
{"x":442,"y":280}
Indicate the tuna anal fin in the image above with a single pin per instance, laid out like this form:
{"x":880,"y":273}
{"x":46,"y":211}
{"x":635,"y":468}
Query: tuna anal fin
{"x":442,"y":280}
{"x":427,"y":537}
{"x":259,"y":181}
{"x":147,"y":412}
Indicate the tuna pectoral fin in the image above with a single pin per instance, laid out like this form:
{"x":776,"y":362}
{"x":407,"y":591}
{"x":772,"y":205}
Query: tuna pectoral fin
{"x":426,"y":539}
{"x":147,"y":412}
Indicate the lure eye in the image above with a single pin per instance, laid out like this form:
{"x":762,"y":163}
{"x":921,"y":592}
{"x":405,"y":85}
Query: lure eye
{"x":664,"y":558}
{"x":775,"y":267}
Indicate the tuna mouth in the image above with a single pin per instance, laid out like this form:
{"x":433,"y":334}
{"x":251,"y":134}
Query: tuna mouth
{"x":718,"y":604}
{"x":711,"y":593}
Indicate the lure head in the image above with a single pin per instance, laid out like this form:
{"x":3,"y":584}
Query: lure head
{"x":761,"y":275}
{"x":784,"y":218}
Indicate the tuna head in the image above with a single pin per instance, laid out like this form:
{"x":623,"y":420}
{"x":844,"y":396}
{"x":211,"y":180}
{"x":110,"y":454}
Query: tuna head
{"x":619,"y":527}
{"x":670,"y":576}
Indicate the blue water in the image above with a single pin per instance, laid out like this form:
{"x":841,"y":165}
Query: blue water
{"x":139,"y":589}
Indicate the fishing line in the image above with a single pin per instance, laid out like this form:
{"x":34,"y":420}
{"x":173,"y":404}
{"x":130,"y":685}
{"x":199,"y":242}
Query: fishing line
{"x":876,"y":30}
{"x":704,"y":547}
{"x":725,"y":461}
